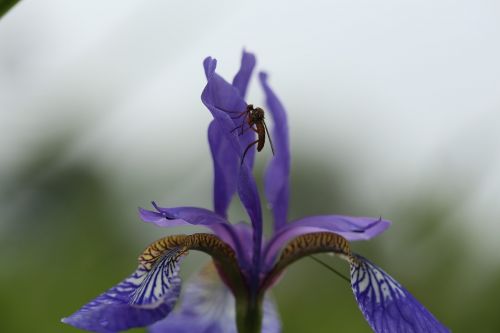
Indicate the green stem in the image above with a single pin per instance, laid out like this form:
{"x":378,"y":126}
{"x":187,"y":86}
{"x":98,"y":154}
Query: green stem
{"x":6,"y":5}
{"x":249,"y":315}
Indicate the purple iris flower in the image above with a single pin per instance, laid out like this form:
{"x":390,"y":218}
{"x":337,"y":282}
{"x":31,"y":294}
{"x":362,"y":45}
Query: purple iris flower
{"x":230,"y":294}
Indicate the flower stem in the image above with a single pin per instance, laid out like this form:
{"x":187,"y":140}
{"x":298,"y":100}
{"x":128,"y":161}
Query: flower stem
{"x":249,"y":315}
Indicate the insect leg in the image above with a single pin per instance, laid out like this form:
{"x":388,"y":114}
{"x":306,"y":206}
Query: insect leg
{"x":234,"y":129}
{"x":330,"y":268}
{"x":250,"y":126}
{"x":243,"y":129}
{"x":239,"y":113}
{"x":269,"y":136}
{"x":246,"y":150}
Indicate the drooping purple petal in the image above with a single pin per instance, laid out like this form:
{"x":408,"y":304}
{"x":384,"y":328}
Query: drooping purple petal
{"x":207,"y":306}
{"x":143,"y":298}
{"x":350,"y":227}
{"x":278,"y":171}
{"x":386,"y":304}
{"x":184,"y":216}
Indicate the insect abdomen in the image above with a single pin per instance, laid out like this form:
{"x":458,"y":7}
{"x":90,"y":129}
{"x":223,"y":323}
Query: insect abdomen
{"x":261,"y":136}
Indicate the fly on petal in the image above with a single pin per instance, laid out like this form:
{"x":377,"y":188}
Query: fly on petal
{"x":232,"y":296}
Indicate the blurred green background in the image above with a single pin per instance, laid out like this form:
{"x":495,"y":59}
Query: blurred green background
{"x":100,"y":114}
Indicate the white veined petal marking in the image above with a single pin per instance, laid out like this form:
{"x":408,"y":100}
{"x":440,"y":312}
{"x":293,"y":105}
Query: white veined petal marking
{"x":387,"y":305}
{"x":154,"y":283}
{"x":369,"y":281}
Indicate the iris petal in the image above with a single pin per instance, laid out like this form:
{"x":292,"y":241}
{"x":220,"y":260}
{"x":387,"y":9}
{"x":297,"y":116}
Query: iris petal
{"x":225,"y":168}
{"x":242,"y":78}
{"x":350,"y":227}
{"x":183,"y":216}
{"x":226,"y":159}
{"x":220,"y":97}
{"x":386,"y":304}
{"x":278,"y":171}
{"x":208,"y":306}
{"x":150,"y":293}
{"x":302,"y":246}
{"x":143,"y":298}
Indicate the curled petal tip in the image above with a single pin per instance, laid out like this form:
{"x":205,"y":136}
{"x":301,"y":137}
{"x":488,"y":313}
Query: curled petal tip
{"x":149,"y":216}
{"x":209,"y":64}
{"x":263,"y":76}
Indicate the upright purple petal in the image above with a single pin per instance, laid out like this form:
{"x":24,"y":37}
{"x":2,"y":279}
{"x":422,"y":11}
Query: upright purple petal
{"x":143,"y":298}
{"x":241,"y":79}
{"x":221,"y":98}
{"x":245,"y":234}
{"x":227,"y":107}
{"x":249,"y":196}
{"x":209,"y":65}
{"x":278,"y":171}
{"x":226,"y":159}
{"x":226,"y":166}
{"x":207,"y":306}
{"x":350,"y":227}
{"x":240,"y":82}
{"x":386,"y":304}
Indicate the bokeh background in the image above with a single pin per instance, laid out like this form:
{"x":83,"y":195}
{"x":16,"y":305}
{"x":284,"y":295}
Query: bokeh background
{"x":394,"y":111}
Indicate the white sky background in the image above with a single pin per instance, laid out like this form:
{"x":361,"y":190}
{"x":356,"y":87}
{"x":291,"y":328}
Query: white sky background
{"x":407,"y":92}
